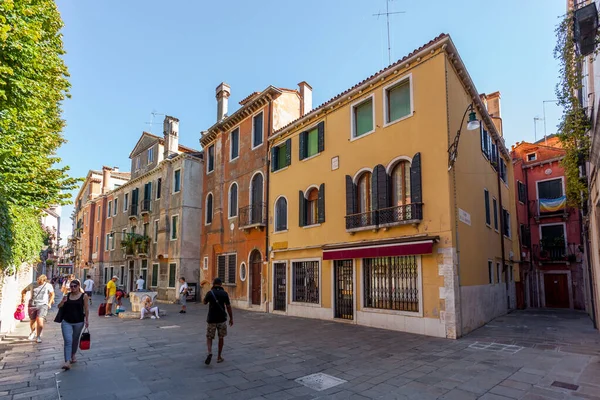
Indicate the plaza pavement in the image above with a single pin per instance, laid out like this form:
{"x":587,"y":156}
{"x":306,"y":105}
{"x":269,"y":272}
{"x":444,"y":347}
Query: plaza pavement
{"x":530,"y":355}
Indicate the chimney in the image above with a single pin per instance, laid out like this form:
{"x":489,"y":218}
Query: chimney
{"x":305,"y":98}
{"x":106,"y":179}
{"x":493,"y":107}
{"x":223,"y":92}
{"x":116,"y":169}
{"x":171,"y":131}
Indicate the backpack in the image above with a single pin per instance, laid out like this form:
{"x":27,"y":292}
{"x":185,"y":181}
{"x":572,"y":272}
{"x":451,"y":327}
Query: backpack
{"x":20,"y":313}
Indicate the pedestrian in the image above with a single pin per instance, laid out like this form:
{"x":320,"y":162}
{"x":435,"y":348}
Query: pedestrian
{"x":217,"y":300}
{"x":111,"y":291}
{"x":140,"y":284}
{"x":42,"y":298}
{"x":183,"y":293}
{"x":75,"y":312}
{"x":66,"y":283}
{"x":148,"y":309}
{"x":88,"y":285}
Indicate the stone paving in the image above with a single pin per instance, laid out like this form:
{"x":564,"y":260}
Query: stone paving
{"x":524,"y":355}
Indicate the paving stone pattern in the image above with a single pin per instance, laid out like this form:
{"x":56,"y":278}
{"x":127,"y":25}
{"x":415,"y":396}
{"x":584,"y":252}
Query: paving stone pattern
{"x":265,"y":354}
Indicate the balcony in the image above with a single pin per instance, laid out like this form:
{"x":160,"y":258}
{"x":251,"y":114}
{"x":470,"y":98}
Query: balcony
{"x":585,"y":28}
{"x":133,"y":211}
{"x":253,"y":216}
{"x":555,"y":253}
{"x":385,"y":217}
{"x":146,"y":206}
{"x":135,"y":245}
{"x":549,"y":208}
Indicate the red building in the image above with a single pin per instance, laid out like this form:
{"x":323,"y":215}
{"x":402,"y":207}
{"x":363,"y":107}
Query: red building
{"x":549,"y":230}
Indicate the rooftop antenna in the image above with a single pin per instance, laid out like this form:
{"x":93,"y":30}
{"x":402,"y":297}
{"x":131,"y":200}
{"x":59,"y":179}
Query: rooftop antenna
{"x":535,"y":120}
{"x":152,"y":115}
{"x":544,"y":108}
{"x":387,"y":14}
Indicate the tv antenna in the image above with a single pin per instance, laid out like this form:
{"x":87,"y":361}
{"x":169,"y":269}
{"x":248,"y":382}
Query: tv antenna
{"x":152,"y":115}
{"x":387,"y":14}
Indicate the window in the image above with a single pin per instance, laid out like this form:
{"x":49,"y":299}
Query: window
{"x":209,"y":209}
{"x":109,"y":210}
{"x":495,"y":210}
{"x":312,"y":206}
{"x":397,"y":101}
{"x":115,"y":206}
{"x":226,"y":267}
{"x":210,"y":164}
{"x":312,"y":142}
{"x":105,"y":274}
{"x":281,"y":156}
{"x":123,"y":234}
{"x":490,"y":272}
{"x":150,"y":155}
{"x":401,"y":184}
{"x":233,"y":200}
{"x":126,"y":202}
{"x":146,"y":228}
{"x":392,"y":283}
{"x":96,"y":247}
{"x":281,"y":214}
{"x":506,"y":223}
{"x":172,"y":274}
{"x":154,"y":275}
{"x":177,"y":181}
{"x":552,"y":237}
{"x":234,"y":144}
{"x":257,"y":130}
{"x":107,"y":242}
{"x":205,"y":264}
{"x":485,"y":141}
{"x":99,"y":212}
{"x":137,"y":163}
{"x":498,"y":273}
{"x":174,"y":227}
{"x":158,"y":187}
{"x":522,"y":191}
{"x":363,"y":197}
{"x":305,"y":282}
{"x":503,"y":170}
{"x":551,"y":189}
{"x":525,"y":238}
{"x":122,"y":276}
{"x":531,"y":157}
{"x":363,"y":118}
{"x":486,"y":198}
{"x":155,"y":231}
{"x":112,"y":240}
{"x":494,"y":159}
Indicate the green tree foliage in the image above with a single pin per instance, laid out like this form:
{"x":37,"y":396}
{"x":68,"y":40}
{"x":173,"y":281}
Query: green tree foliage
{"x":33,"y":82}
{"x":574,"y":123}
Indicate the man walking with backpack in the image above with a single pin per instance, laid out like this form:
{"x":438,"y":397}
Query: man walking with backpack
{"x":217,"y":300}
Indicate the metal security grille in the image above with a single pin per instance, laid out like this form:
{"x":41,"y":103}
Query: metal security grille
{"x":306,"y":281}
{"x":279,"y":288}
{"x":226,"y":267}
{"x":231,"y":263}
{"x":391,"y":283}
{"x":221,"y":267}
{"x":344,"y":289}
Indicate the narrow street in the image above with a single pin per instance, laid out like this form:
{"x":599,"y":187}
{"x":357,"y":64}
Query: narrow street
{"x":535,"y":355}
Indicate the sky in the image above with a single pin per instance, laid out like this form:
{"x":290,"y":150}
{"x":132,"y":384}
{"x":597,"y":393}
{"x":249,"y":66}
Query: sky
{"x":130,"y":58}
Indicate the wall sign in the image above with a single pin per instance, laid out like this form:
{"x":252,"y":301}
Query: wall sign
{"x":335,"y":163}
{"x":464,"y":216}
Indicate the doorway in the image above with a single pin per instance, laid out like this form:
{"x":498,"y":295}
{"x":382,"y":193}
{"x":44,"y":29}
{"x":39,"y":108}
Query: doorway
{"x":344,"y":289}
{"x":556,"y":289}
{"x":279,"y":289}
{"x":131,"y":276}
{"x":255,"y":276}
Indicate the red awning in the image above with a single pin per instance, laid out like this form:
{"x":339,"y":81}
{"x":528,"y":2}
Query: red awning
{"x":385,"y":250}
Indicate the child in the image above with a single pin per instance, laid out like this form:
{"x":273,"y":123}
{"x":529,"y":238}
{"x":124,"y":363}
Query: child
{"x":148,"y":309}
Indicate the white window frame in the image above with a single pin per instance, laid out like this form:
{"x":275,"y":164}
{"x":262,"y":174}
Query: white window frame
{"x":115,"y":205}
{"x":286,"y":214}
{"x":353,"y":136}
{"x":534,"y":157}
{"x":205,"y":263}
{"x":208,"y":172}
{"x":168,"y":272}
{"x":177,"y":230}
{"x":158,"y":194}
{"x":537,"y":192}
{"x":263,"y":130}
{"x":299,"y":303}
{"x":150,"y":155}
{"x":175,"y":171}
{"x":155,"y":233}
{"x":250,"y":187}
{"x":112,"y":241}
{"x":490,"y":271}
{"x":237,"y":195}
{"x":495,"y":221}
{"x":125,"y":202}
{"x":385,"y":100}
{"x":123,"y":233}
{"x":107,"y":244}
{"x":231,"y":143}
{"x":510,"y":227}
{"x":157,"y":275}
{"x":109,"y":209}
{"x":212,"y":211}
{"x":564,"y":225}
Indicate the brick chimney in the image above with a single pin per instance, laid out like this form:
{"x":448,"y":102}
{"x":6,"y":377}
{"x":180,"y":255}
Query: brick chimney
{"x":305,"y":97}
{"x":171,"y":132}
{"x":223,"y":91}
{"x":106,"y":179}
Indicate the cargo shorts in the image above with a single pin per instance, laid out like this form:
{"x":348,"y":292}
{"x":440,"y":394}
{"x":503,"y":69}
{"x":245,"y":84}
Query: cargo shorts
{"x":211,"y":329}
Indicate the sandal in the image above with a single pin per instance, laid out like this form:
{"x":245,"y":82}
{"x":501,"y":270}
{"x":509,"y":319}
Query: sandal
{"x":208,"y":358}
{"x":67,"y":366}
{"x":220,"y":360}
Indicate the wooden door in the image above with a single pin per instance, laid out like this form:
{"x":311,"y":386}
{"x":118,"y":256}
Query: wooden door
{"x":556,"y":289}
{"x":255,"y":273}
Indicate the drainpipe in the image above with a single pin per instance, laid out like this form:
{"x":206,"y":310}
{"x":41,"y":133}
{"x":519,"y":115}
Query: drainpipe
{"x":268,"y":163}
{"x":502,"y":234}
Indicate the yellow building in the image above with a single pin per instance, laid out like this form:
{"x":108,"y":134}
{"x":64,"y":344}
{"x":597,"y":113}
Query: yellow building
{"x":368,"y":224}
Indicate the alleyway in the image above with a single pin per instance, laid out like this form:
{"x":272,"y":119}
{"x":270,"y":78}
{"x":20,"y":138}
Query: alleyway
{"x":536,"y":355}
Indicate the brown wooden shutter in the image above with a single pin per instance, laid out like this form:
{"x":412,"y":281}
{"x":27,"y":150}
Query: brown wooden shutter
{"x":303,"y":144}
{"x":379,"y":190}
{"x":301,"y":209}
{"x":274,"y":158}
{"x":415,"y":179}
{"x":321,"y":204}
{"x":321,"y":130}
{"x":221,"y":267}
{"x":350,"y":196}
{"x":288,"y":152}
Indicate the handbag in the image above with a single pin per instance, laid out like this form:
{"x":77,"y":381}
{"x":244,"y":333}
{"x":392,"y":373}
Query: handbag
{"x":20,"y":313}
{"x":59,"y":314}
{"x":86,"y":340}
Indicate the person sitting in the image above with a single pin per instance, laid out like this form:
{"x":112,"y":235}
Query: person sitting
{"x":148,"y":309}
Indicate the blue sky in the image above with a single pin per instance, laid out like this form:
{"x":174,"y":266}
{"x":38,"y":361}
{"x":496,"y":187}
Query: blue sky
{"x":129,"y":58}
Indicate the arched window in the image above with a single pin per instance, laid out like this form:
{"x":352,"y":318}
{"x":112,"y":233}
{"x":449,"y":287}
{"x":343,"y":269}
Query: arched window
{"x":233,"y":200}
{"x":209,"y":209}
{"x":363,"y":193}
{"x":281,"y":214}
{"x":400,"y":177}
{"x":312,"y":208}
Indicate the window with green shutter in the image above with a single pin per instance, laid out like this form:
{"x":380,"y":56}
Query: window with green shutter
{"x":398,"y":101}
{"x":312,"y":143}
{"x":363,"y":118}
{"x":172,"y":268}
{"x":154,"y":275}
{"x":281,"y":159}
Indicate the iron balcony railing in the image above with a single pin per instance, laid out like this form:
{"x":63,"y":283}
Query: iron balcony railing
{"x":555,"y":253}
{"x":253,"y":215}
{"x":385,"y":217}
{"x":539,"y":209}
{"x":133,"y":210}
{"x":146,"y":206}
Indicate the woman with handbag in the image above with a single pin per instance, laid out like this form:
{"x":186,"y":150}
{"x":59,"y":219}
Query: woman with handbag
{"x":42,"y":298}
{"x":73,"y":313}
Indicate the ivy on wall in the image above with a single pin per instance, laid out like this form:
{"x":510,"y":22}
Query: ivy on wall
{"x":574,"y":122}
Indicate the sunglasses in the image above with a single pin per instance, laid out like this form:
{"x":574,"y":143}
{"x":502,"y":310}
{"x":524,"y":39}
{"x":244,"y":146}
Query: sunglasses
{"x":74,"y":286}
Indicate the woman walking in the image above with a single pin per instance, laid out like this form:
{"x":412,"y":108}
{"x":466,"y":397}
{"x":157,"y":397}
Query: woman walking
{"x":75,"y":312}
